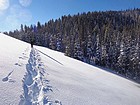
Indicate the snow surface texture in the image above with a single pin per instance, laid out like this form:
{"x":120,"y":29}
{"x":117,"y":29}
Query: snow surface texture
{"x":40,"y":76}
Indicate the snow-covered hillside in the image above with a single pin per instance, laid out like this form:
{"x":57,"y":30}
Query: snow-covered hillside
{"x":40,"y":76}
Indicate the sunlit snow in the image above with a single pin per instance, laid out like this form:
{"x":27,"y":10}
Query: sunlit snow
{"x":43,"y":76}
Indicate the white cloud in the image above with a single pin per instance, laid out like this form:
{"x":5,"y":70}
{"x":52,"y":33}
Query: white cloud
{"x":16,"y":16}
{"x":22,"y":15}
{"x":4,"y":4}
{"x":25,"y":3}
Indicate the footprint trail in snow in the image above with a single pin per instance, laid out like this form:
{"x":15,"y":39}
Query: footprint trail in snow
{"x":35,"y":84}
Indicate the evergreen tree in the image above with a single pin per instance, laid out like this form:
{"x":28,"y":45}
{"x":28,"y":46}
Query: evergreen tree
{"x":109,"y":39}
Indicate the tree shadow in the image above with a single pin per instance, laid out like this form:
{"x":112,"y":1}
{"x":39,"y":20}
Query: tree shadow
{"x":50,"y":57}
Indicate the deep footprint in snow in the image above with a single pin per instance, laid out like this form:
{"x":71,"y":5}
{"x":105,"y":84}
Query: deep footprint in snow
{"x":58,"y":102}
{"x":19,"y":64}
{"x":5,"y":79}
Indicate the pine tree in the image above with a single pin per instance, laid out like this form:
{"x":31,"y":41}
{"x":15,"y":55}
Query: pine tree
{"x":122,"y":59}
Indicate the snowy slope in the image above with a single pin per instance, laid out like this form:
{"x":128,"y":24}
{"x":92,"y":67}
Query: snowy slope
{"x":42,"y":76}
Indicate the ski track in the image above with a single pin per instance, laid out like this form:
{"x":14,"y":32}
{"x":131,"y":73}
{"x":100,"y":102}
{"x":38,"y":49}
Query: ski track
{"x":35,"y":84}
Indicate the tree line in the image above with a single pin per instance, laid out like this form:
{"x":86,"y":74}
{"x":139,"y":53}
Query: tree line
{"x":109,"y":39}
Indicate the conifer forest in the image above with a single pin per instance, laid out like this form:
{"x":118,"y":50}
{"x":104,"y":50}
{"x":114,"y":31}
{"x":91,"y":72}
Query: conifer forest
{"x":108,"y":39}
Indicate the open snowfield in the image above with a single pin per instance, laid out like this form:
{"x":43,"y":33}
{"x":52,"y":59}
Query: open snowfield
{"x":40,"y":76}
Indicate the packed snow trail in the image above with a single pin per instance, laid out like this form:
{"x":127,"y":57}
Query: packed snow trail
{"x":35,"y":85}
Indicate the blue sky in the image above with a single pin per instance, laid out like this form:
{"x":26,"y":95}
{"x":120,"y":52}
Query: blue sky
{"x":16,"y":12}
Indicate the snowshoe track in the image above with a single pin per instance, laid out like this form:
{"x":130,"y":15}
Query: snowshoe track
{"x":35,"y":85}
